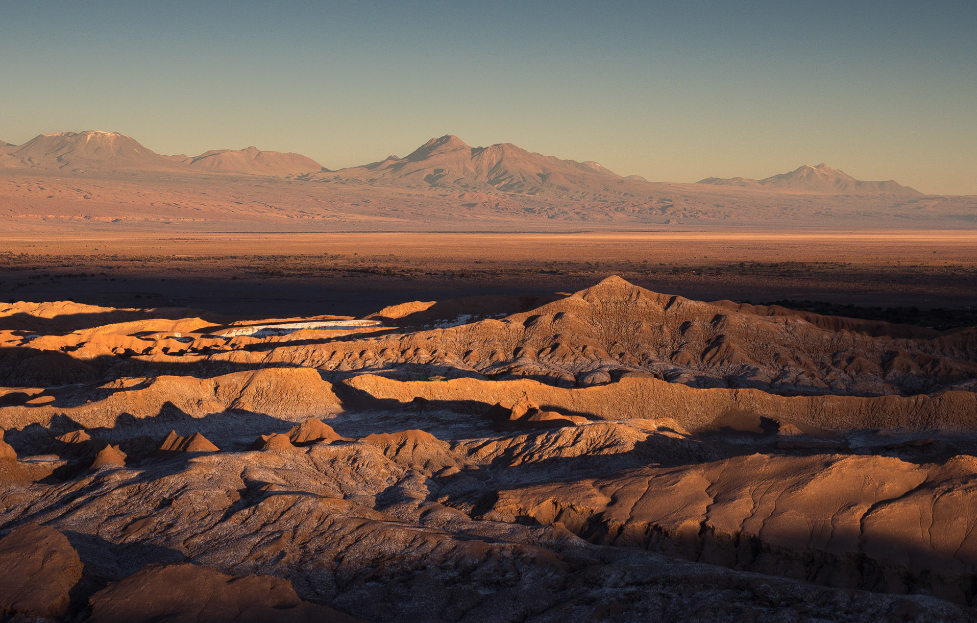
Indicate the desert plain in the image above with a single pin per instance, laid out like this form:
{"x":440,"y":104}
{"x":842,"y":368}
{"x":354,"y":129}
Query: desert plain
{"x":479,"y":384}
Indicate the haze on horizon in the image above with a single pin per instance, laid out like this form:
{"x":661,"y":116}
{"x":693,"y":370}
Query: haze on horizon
{"x":667,"y":91}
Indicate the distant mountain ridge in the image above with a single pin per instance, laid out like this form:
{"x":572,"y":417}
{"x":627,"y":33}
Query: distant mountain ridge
{"x":255,"y":161}
{"x":816,"y":179}
{"x":445,"y":162}
{"x":448,"y":162}
{"x":84,"y":151}
{"x":94,"y":150}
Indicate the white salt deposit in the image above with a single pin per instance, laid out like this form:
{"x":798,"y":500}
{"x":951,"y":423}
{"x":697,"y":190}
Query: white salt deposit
{"x":268,"y":330}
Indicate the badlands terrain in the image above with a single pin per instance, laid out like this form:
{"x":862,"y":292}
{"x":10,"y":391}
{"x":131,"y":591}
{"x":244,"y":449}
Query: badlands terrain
{"x":609,"y":454}
{"x":478,"y":384}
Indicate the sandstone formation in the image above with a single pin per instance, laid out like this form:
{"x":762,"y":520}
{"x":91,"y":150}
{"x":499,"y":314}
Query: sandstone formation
{"x":11,"y":471}
{"x":525,"y":414}
{"x":109,"y":456}
{"x":313,"y":430}
{"x":275,"y":442}
{"x":38,"y":568}
{"x":195,"y":594}
{"x":194,"y":443}
{"x":613,"y":454}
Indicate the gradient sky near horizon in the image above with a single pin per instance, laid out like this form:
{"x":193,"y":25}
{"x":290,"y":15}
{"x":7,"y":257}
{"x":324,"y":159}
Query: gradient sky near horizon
{"x":672,"y":91}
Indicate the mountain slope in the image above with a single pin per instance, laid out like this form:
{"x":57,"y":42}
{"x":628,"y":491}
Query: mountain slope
{"x":254,"y":161}
{"x":816,"y":179}
{"x":95,"y":151}
{"x":87,"y":151}
{"x":447,"y":162}
{"x":5,"y":158}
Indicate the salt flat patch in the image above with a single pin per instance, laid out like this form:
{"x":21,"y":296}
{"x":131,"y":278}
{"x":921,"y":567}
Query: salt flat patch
{"x":446,"y":324}
{"x":270,"y":330}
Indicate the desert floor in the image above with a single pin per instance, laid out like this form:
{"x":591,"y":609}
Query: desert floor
{"x":528,"y":428}
{"x":357,"y":273}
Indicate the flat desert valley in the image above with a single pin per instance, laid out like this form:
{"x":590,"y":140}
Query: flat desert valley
{"x":479,"y":384}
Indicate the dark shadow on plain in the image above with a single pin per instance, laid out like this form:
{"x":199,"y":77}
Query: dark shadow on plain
{"x":69,"y":323}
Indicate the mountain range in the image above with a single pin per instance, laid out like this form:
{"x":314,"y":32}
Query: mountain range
{"x":445,"y":162}
{"x":816,"y":179}
{"x":94,"y":151}
{"x":448,"y":162}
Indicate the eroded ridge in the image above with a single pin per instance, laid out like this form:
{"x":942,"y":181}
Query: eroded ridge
{"x":615,"y":454}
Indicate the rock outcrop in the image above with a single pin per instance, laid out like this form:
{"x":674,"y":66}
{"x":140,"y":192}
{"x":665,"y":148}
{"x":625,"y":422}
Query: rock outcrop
{"x":195,"y":594}
{"x":193,"y":443}
{"x":615,"y":454}
{"x":38,"y":568}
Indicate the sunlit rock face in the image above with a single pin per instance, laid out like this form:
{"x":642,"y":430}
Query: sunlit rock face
{"x":613,"y":454}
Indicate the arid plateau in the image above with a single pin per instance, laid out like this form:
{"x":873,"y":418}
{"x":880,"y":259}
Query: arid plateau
{"x":479,"y":384}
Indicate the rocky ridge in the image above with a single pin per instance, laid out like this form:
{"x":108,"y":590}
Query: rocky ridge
{"x":615,"y":454}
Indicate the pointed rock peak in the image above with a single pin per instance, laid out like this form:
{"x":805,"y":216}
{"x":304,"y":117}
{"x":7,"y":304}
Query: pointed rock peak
{"x":614,"y":281}
{"x":446,"y":143}
{"x":97,"y":137}
{"x":615,"y":288}
{"x":194,"y":443}
{"x":507,"y":418}
{"x":312,"y":431}
{"x":273,"y":442}
{"x":523,"y":407}
{"x":820,"y":169}
{"x":199,"y":443}
{"x":610,"y":286}
{"x":109,"y":456}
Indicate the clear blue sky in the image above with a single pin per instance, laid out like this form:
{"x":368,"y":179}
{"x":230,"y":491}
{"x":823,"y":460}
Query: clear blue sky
{"x":673,"y":91}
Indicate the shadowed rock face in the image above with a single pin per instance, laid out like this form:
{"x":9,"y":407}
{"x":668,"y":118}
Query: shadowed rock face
{"x":11,"y":471}
{"x":38,"y":568}
{"x":195,"y":594}
{"x":485,"y":472}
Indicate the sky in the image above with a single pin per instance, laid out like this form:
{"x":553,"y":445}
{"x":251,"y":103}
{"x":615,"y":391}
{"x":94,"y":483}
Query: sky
{"x":672,"y":91}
